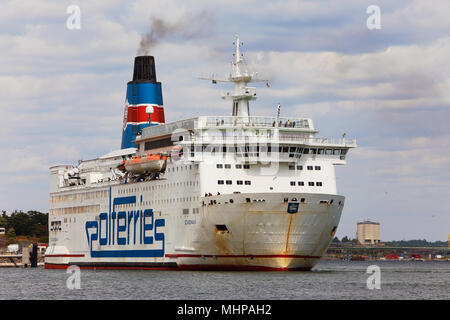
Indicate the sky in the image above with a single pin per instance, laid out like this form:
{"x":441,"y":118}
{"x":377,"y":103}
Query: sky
{"x":62,"y":90}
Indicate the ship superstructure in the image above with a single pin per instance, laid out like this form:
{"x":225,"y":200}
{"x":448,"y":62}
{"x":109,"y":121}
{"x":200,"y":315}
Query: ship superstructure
{"x":212,"y":192}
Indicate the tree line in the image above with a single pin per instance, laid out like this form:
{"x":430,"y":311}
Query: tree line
{"x":29,"y":224}
{"x":400,"y":243}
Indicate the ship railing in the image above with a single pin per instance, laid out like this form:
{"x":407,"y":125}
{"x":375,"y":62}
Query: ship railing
{"x":281,"y":139}
{"x":267,"y":122}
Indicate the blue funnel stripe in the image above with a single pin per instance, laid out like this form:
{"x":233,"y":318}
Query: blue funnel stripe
{"x":139,"y":93}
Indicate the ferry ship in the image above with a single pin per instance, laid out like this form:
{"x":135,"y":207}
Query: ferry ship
{"x":237,"y":192}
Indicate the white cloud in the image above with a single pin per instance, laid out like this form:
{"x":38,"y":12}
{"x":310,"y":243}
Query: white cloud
{"x":63,"y":91}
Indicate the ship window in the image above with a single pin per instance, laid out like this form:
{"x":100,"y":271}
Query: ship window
{"x":246,"y":166}
{"x":219,"y":166}
{"x":228,"y":166}
{"x":185,"y":211}
{"x":239,"y":182}
{"x":229,"y":182}
{"x":337,"y":152}
{"x":317,"y":168}
{"x":292,"y":183}
{"x":299,"y":167}
{"x":328,"y":151}
{"x":239,"y":166}
{"x":313,"y":151}
{"x":319,"y":184}
{"x":311,"y":184}
{"x":343,"y":151}
{"x":310,"y":167}
{"x":301,"y":183}
{"x":285,"y":149}
{"x":248,"y":182}
{"x":302,"y":200}
{"x":291,"y":167}
{"x":220,"y":181}
{"x":305,"y":151}
{"x":320,"y":151}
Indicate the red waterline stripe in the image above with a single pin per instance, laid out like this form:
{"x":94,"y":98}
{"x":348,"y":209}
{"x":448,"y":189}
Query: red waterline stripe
{"x":64,"y":255}
{"x":198,"y":267}
{"x":65,"y":266}
{"x":240,"y":256}
{"x":213,"y":267}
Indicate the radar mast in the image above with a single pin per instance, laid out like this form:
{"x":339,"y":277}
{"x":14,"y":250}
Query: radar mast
{"x":240,"y":76}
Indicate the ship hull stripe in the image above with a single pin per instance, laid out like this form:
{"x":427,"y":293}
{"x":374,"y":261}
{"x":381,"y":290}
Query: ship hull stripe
{"x":64,"y":255}
{"x":240,"y":256}
{"x":112,"y":266}
{"x":173,"y":267}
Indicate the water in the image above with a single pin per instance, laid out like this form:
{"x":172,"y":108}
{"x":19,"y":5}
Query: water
{"x":328,"y":280}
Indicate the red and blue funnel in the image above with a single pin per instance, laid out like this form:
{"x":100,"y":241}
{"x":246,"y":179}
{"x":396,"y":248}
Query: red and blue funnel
{"x":144,"y":102}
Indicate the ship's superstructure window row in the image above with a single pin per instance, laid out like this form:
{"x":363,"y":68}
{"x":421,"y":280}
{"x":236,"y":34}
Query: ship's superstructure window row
{"x":310,"y":183}
{"x":238,"y":182}
{"x":299,"y":167}
{"x":228,"y":166}
{"x":75,"y":210}
{"x":79,"y":196}
{"x":163,"y":186}
{"x":249,"y":150}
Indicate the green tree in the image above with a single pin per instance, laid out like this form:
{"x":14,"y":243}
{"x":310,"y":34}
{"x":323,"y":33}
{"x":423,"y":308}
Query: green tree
{"x":11,"y":235}
{"x":3,"y":222}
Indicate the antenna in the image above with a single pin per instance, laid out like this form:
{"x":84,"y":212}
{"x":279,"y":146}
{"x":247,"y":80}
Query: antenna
{"x":242,"y":93}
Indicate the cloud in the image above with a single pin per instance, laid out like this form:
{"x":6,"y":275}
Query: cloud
{"x":63,"y":91}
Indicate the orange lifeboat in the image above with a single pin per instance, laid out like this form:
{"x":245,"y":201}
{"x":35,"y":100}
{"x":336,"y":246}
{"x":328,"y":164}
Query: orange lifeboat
{"x":147,"y":163}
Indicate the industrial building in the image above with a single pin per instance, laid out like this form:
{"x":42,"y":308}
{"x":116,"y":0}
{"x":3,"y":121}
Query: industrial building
{"x":368,"y":232}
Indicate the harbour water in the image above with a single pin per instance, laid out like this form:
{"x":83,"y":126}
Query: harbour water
{"x":328,"y":280}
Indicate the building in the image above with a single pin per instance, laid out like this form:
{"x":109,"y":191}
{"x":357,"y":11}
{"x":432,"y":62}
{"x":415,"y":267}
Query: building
{"x":368,"y":232}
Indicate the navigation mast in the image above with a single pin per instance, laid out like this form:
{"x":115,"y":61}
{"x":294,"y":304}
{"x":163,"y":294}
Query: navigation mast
{"x":240,"y":76}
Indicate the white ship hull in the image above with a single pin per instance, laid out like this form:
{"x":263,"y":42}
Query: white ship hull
{"x":228,"y":233}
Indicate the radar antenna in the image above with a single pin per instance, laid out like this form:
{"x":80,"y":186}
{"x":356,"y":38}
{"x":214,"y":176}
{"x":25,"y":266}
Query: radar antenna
{"x":240,"y":76}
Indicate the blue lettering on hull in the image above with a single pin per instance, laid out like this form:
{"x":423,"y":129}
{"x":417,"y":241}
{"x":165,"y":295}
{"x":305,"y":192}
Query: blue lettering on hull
{"x":133,"y":227}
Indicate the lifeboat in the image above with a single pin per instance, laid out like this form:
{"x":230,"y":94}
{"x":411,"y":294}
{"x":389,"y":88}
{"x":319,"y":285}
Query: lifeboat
{"x":148,"y":163}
